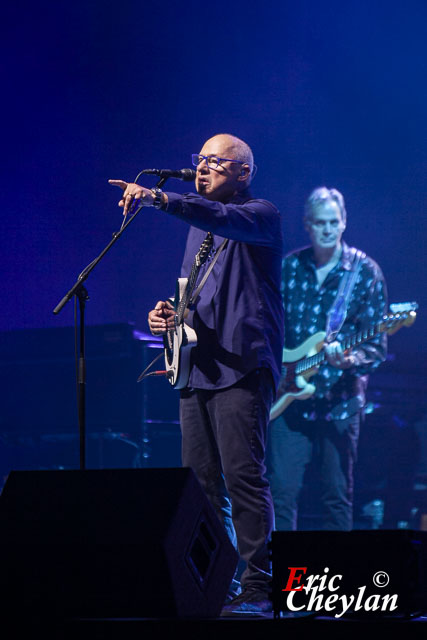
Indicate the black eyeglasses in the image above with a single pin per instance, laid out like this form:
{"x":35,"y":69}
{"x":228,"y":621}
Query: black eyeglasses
{"x":212,"y":162}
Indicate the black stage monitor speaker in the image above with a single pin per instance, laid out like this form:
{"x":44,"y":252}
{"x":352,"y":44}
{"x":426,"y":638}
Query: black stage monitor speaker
{"x":364,"y":573}
{"x":112,"y":543}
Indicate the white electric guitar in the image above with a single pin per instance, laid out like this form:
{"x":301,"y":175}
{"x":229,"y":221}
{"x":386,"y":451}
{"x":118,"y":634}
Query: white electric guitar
{"x":303,"y":362}
{"x":179,"y":341}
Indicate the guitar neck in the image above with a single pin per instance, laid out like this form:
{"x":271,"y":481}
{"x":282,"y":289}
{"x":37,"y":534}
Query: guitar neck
{"x":199,"y":260}
{"x":348,"y":343}
{"x":183,"y":303}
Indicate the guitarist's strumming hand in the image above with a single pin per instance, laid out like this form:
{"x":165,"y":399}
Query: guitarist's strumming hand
{"x":161,"y":318}
{"x":337,"y":357}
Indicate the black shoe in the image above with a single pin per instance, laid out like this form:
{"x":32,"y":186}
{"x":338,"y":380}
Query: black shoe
{"x":234,"y":590}
{"x":251,"y":603}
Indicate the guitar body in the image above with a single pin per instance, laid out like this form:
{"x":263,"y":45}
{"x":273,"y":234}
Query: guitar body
{"x":301,"y":363}
{"x":178,"y":343}
{"x":293,"y":385}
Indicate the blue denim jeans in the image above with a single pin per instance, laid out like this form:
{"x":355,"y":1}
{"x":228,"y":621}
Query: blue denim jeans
{"x":223,"y":439}
{"x":292,"y":443}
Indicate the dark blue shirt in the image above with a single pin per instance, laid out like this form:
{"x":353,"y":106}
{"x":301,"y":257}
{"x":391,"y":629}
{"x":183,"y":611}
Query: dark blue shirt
{"x":238,"y":316}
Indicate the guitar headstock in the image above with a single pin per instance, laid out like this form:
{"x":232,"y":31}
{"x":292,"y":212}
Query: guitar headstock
{"x":203,"y":252}
{"x":402,"y":314}
{"x":403,"y":307}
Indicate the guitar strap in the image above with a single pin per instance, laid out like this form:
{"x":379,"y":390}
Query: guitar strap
{"x":338,"y":312}
{"x":208,"y":270}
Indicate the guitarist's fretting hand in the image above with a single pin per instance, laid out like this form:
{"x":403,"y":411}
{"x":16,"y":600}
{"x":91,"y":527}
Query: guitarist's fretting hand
{"x":161,"y":318}
{"x":337,"y":357}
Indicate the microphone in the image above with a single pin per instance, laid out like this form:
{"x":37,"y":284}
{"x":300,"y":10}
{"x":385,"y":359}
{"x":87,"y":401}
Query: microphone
{"x":188,"y":175}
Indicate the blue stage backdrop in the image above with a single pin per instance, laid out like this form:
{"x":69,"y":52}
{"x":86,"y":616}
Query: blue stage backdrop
{"x":326,"y":93}
{"x":330,"y":93}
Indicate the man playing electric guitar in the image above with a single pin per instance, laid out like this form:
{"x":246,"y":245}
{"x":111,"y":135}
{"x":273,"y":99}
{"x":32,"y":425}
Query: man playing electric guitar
{"x":331,"y":288}
{"x":235,"y":366}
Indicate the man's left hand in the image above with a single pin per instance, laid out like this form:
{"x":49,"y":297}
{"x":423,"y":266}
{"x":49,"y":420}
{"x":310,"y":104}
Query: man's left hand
{"x":337,"y":357}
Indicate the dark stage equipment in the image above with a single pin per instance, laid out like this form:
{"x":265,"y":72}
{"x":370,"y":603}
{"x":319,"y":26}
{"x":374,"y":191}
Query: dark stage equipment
{"x":127,"y":425}
{"x":141,"y":543}
{"x":359,"y":571}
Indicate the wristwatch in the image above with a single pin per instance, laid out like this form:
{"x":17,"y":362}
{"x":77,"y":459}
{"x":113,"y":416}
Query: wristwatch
{"x":157,"y":197}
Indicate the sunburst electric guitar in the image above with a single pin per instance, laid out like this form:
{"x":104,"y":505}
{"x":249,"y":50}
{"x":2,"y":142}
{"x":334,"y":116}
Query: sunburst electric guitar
{"x":179,"y":341}
{"x":301,"y":363}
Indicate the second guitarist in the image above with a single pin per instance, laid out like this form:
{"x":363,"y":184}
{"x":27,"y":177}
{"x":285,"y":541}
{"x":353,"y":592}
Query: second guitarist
{"x":326,"y":424}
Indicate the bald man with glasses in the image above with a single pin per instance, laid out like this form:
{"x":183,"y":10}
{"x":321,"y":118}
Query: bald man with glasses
{"x":235,"y":366}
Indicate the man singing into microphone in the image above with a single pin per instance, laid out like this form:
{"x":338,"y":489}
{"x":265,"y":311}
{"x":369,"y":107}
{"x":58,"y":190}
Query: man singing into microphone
{"x":235,"y":366}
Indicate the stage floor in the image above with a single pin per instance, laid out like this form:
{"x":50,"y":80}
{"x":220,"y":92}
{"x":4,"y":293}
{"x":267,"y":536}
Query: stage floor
{"x":222,"y":628}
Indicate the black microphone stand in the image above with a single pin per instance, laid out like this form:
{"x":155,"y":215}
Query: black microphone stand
{"x":80,"y":291}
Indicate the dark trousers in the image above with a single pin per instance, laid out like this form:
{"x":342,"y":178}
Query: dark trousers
{"x":292,"y":444}
{"x":223,"y":439}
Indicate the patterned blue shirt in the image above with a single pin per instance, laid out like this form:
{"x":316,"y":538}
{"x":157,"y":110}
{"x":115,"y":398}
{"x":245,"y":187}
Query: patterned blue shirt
{"x":238,"y":316}
{"x":339,"y":393}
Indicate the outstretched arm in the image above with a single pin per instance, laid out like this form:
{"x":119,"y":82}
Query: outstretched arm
{"x":134,"y":194}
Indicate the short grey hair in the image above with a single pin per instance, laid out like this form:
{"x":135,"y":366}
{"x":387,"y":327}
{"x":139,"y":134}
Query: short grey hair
{"x":322,"y":195}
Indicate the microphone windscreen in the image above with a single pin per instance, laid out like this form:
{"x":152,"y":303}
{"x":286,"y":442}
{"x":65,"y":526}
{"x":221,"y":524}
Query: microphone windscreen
{"x":188,"y":175}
